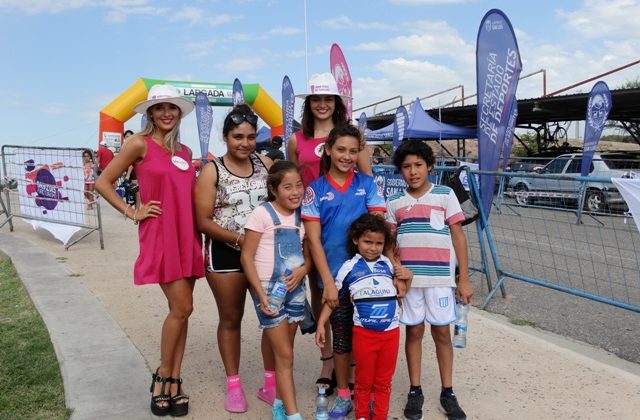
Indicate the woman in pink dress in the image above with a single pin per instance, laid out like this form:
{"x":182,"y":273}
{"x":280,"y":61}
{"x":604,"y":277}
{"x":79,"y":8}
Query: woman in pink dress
{"x":170,"y":247}
{"x":323,"y":109}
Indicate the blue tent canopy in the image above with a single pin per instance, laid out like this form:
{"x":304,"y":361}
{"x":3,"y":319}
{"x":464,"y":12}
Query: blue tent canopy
{"x":380,"y":135}
{"x":263,"y":138}
{"x":422,"y":126}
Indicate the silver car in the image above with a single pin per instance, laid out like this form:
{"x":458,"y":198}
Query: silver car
{"x":600,"y":196}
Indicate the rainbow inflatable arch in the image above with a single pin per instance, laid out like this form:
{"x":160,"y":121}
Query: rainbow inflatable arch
{"x":120,"y":110}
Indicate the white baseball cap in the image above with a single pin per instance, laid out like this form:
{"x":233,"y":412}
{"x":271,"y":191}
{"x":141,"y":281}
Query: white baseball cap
{"x":322,"y":84}
{"x":164,"y":93}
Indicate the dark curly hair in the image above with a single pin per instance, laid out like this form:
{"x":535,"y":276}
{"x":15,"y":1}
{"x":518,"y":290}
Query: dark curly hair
{"x":342,"y":130}
{"x":339,"y":115}
{"x":416,"y":148}
{"x":368,"y":223}
{"x":242,"y":109}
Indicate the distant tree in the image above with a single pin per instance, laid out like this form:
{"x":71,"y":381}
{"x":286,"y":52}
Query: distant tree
{"x":631,"y":84}
{"x":632,"y":127}
{"x":524,"y":144}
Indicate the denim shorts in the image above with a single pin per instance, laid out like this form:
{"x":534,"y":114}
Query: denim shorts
{"x":292,"y":307}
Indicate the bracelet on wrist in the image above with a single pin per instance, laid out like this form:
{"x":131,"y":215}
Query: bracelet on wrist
{"x":238,"y":239}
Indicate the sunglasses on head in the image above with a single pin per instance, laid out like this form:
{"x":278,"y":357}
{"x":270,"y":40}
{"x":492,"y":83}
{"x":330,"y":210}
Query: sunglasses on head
{"x":240,"y":118}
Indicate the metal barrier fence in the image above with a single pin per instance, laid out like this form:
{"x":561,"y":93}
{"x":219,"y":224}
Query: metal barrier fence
{"x":568,"y":233}
{"x":45,"y":185}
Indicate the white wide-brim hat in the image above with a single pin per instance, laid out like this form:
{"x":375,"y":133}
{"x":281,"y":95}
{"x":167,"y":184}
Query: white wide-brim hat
{"x":164,"y":93}
{"x":322,"y":84}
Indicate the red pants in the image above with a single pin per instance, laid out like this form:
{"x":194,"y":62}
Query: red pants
{"x":375,"y":354}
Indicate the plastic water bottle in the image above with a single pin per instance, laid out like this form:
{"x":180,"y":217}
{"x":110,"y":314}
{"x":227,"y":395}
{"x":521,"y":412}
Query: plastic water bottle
{"x":460,"y":327}
{"x":322,"y":405}
{"x":279,"y":291}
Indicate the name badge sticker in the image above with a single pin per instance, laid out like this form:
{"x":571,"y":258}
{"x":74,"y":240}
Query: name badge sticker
{"x":180,"y":163}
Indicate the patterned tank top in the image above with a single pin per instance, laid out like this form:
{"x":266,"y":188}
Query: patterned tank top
{"x":237,"y":196}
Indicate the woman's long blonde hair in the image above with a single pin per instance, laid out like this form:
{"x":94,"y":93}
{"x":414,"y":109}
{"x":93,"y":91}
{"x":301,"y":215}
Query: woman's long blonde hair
{"x":170,"y":140}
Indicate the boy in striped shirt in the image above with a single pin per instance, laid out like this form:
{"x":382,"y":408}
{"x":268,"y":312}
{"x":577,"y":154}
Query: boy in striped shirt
{"x":427,"y":221}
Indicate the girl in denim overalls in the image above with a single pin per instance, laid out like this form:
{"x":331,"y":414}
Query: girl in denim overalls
{"x":273,"y":240}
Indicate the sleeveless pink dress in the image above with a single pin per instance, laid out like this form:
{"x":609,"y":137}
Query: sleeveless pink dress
{"x":170,"y":246}
{"x":309,"y":153}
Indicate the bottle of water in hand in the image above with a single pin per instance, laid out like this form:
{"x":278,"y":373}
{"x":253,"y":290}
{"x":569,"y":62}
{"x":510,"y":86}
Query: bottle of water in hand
{"x":279,"y":291}
{"x":460,"y":326}
{"x":322,"y":405}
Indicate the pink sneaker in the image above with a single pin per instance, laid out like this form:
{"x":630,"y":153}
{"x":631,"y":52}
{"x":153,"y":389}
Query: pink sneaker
{"x":267,"y":395}
{"x":235,"y":401}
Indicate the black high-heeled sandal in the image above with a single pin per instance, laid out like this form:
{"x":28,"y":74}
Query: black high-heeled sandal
{"x":329,"y":384}
{"x":156,"y":400}
{"x":179,"y":409}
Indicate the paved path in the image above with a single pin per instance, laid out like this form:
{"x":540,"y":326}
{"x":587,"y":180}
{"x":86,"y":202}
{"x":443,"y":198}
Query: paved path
{"x":106,"y":335}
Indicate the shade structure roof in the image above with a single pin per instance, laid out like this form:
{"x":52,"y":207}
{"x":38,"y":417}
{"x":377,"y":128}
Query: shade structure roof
{"x":421,"y":126}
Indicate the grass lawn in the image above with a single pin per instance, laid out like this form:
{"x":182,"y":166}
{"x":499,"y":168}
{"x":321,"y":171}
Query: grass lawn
{"x":30,"y":380}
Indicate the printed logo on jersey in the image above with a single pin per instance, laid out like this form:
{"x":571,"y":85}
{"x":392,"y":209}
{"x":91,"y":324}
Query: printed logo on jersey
{"x":319,"y":150}
{"x":379,"y":311}
{"x":328,"y":196}
{"x":361,"y":191}
{"x":309,"y":196}
{"x":443,"y":301}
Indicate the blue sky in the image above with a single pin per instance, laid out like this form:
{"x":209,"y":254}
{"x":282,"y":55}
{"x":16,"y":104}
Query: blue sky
{"x":64,"y":60}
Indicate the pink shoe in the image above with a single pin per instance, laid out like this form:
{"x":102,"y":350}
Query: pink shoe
{"x":267,"y":395}
{"x":235,"y":401}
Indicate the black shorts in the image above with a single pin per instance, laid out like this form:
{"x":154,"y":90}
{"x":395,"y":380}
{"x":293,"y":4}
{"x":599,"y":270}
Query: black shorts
{"x":342,"y":326}
{"x":221,"y":258}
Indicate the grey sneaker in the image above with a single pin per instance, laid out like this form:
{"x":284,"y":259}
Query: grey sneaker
{"x":450,"y":407}
{"x":413,"y":409}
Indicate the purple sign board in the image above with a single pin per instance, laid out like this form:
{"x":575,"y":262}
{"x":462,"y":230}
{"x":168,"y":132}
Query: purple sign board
{"x":498,"y":67}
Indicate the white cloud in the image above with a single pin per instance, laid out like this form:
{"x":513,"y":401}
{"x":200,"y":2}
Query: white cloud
{"x":116,"y":7}
{"x":285,"y":30}
{"x":408,"y":78}
{"x":193,"y":15}
{"x":319,"y":50}
{"x":197,"y":50}
{"x":117,"y":11}
{"x":45,"y":6}
{"x":604,"y":18}
{"x":120,"y":14}
{"x":428,"y":39}
{"x":238,"y":65}
{"x":343,"y":22}
{"x":221,"y":19}
{"x":245,"y":37}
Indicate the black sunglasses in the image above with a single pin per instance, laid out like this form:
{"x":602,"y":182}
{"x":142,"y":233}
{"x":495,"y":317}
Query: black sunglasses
{"x":240,"y":118}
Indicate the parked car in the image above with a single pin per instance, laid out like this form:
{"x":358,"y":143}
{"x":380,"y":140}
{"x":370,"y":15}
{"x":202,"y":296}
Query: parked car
{"x":527,"y":164}
{"x":599,"y":195}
